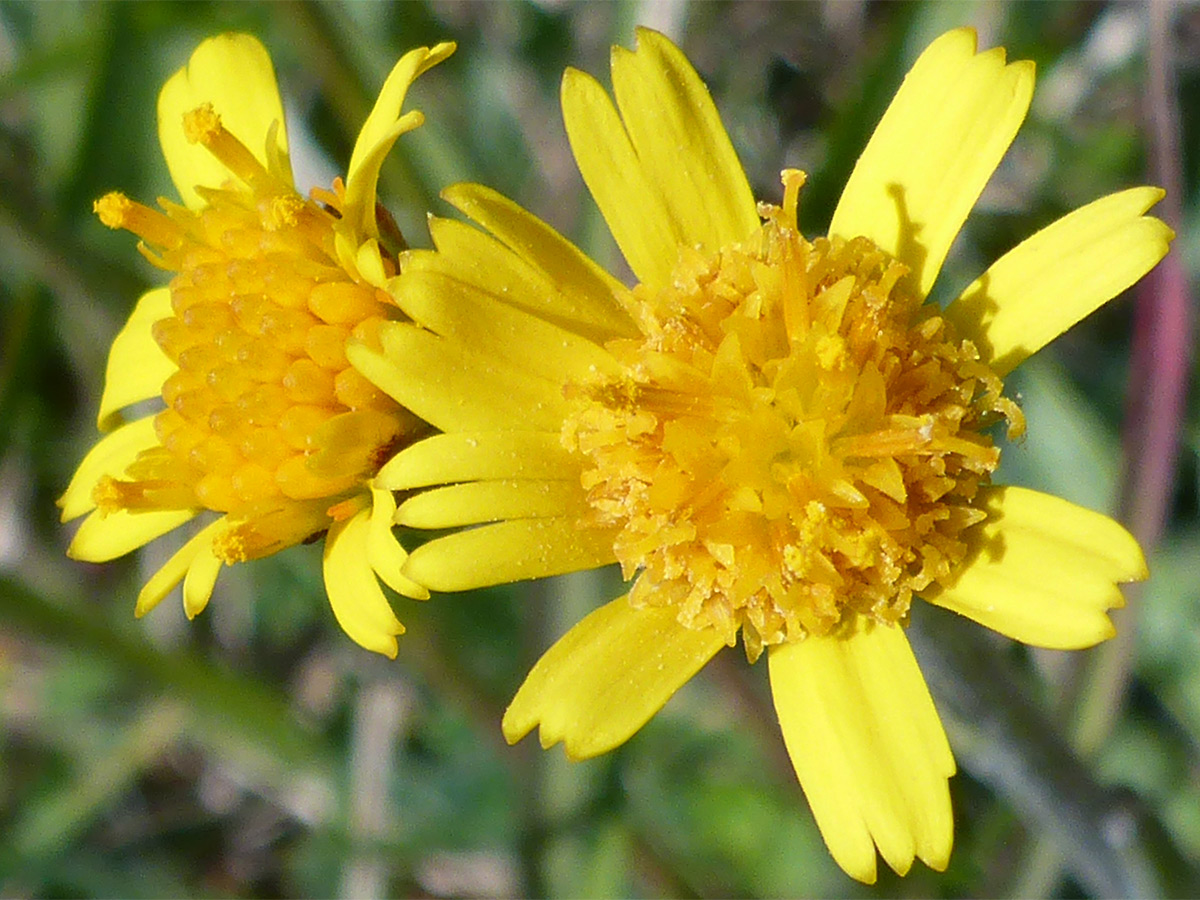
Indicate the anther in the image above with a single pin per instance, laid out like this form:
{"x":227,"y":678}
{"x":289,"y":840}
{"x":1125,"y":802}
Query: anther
{"x":346,"y":509}
{"x":849,"y":457}
{"x":282,"y":212}
{"x":107,"y":495}
{"x":201,"y":125}
{"x":112,"y":209}
{"x":230,"y":546}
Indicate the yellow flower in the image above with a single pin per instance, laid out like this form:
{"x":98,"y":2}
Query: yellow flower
{"x":772,"y":436}
{"x":264,"y":429}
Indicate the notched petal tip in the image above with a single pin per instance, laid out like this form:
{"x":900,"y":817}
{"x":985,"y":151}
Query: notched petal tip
{"x":1043,"y":571}
{"x":605,"y":678}
{"x":234,"y":73}
{"x":937,"y":145}
{"x":514,"y":728}
{"x":358,"y":603}
{"x":571,"y":79}
{"x":200,"y":581}
{"x":963,"y":40}
{"x":1060,"y":275}
{"x":1024,"y":73}
{"x":867,"y":746}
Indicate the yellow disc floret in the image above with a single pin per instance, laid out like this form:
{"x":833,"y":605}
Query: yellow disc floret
{"x":265,"y":420}
{"x":797,"y":438}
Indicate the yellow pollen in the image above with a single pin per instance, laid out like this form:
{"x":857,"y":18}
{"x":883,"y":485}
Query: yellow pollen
{"x":112,"y":209}
{"x":229,"y":547}
{"x":107,"y":495}
{"x":115,"y":210}
{"x":203,"y":126}
{"x":155,"y":490}
{"x":264,"y":419}
{"x":284,"y":211}
{"x":268,"y":527}
{"x":795,"y":441}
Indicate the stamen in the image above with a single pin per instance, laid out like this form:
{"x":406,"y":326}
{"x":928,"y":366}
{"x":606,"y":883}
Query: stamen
{"x":111,"y":495}
{"x":793,"y":180}
{"x":283,"y":211}
{"x":333,"y":197}
{"x":115,"y":210}
{"x":203,"y":126}
{"x":268,"y":528}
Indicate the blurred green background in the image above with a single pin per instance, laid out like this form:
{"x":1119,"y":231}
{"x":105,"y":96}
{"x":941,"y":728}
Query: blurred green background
{"x":258,"y":752}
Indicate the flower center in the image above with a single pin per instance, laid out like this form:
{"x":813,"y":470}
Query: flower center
{"x":796,"y":440}
{"x":265,"y":420}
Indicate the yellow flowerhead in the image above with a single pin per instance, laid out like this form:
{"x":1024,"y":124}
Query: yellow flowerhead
{"x":265,"y":429}
{"x":774,"y":436}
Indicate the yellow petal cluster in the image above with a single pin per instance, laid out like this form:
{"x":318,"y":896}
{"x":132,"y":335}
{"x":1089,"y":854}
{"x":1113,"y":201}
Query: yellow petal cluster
{"x":795,"y":441}
{"x":265,"y":429}
{"x":265,"y":420}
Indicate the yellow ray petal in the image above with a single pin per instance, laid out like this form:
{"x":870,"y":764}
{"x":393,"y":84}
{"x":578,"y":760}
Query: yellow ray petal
{"x":827,"y":778}
{"x":380,"y":131}
{"x":915,"y":740}
{"x":358,"y":603}
{"x":173,"y":571}
{"x":1058,"y":276}
{"x":474,"y":257}
{"x":1042,"y":570}
{"x":681,"y":144}
{"x":590,"y":293}
{"x":368,"y":261}
{"x":384,"y":552}
{"x":110,"y":456}
{"x":473,"y":318}
{"x":606,"y":677}
{"x":509,"y":551}
{"x":359,"y":210}
{"x":346,"y":248}
{"x":490,"y":501}
{"x":137,"y":367}
{"x":200,"y":580}
{"x":103,"y":537}
{"x":867,"y":747}
{"x":468,"y":456}
{"x":455,"y":388}
{"x":632,"y":205}
{"x":233,"y":72}
{"x":933,"y":151}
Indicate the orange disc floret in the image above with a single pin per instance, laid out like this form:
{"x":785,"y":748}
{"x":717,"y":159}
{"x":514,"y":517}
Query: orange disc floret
{"x":264,"y":419}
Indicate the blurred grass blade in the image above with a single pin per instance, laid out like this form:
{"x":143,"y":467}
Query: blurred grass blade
{"x":232,"y":712}
{"x":55,"y":822}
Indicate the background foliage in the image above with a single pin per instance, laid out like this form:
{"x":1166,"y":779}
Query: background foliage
{"x":258,"y":752}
